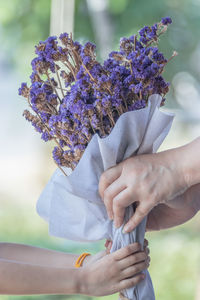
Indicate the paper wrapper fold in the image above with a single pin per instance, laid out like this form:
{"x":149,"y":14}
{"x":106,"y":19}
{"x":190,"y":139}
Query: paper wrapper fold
{"x":72,"y":205}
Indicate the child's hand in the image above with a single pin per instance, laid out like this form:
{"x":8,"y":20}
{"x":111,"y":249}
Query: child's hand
{"x":105,"y":274}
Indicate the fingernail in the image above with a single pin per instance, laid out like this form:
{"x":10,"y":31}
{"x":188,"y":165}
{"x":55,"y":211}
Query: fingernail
{"x":126,"y":228}
{"x":116,"y":223}
{"x":110,"y":215}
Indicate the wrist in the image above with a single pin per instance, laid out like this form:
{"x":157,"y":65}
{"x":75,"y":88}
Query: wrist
{"x":81,"y":258}
{"x":87,"y":260}
{"x":174,"y":162}
{"x":82,"y":282}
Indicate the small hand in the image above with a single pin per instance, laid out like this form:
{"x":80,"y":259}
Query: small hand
{"x":106,"y":274}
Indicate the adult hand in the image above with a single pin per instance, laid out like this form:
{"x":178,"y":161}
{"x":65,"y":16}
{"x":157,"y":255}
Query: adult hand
{"x":148,"y":180}
{"x":105,"y":274}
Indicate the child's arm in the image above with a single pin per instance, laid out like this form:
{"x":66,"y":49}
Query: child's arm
{"x":36,"y":255}
{"x":106,"y":274}
{"x":175,"y":212}
{"x":20,"y":278}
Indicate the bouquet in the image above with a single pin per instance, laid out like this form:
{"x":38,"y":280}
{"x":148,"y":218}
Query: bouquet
{"x":98,"y":114}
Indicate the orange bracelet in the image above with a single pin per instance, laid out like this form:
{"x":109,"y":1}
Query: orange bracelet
{"x":80,"y":259}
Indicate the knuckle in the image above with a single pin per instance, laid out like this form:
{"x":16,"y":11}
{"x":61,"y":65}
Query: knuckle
{"x":143,"y":256}
{"x":128,"y":250}
{"x":137,"y":279}
{"x":141,"y":211}
{"x":131,"y":270}
{"x":132,"y":259}
{"x":128,"y":284}
{"x":144,"y":266}
{"x":137,"y":246}
{"x":112,"y":259}
{"x":151,"y":200}
{"x":117,"y":202}
{"x":104,"y":177}
{"x":137,"y":269}
{"x":106,"y":203}
{"x":137,"y":257}
{"x":134,"y":281}
{"x":141,"y":267}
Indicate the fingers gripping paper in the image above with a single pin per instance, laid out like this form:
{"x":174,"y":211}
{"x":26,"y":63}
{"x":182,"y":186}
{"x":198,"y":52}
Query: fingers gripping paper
{"x":72,"y":205}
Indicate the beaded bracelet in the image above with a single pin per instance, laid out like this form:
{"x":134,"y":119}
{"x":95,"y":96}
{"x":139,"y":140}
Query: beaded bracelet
{"x":80,"y":259}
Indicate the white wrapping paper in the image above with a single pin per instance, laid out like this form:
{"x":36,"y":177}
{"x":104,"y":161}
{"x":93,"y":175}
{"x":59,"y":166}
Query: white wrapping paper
{"x":72,"y":205}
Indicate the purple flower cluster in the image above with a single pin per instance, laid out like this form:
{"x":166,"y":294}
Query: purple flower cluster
{"x":74,"y":97}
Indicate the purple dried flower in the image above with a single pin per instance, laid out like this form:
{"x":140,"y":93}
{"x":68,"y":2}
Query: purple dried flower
{"x":166,"y":21}
{"x":23,"y":90}
{"x":139,"y":104}
{"x":46,"y":136}
{"x":74,"y":96}
{"x":57,"y":155}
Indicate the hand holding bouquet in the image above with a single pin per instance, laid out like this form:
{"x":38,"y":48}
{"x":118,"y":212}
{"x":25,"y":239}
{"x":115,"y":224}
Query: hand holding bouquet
{"x":98,"y":115}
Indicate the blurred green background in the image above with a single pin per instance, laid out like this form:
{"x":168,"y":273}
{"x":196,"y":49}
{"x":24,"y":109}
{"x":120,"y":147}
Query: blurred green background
{"x":25,"y":161}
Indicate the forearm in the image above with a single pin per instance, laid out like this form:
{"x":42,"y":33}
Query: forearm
{"x":185,"y":160}
{"x":175,"y":212}
{"x":166,"y":217}
{"x":38,"y":256}
{"x":19,"y":278}
{"x":189,"y":158}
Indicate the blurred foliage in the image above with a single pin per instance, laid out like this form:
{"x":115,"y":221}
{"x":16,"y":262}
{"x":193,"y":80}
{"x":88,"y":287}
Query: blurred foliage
{"x":23,"y":23}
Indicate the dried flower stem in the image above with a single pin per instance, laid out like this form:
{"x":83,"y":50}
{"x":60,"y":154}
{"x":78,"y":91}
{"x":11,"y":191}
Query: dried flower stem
{"x":44,"y":124}
{"x":125,"y":103}
{"x":135,"y":39}
{"x":60,"y":83}
{"x":157,"y":37}
{"x":61,"y":169}
{"x":173,"y":55}
{"x":72,"y":58}
{"x":70,"y":67}
{"x":89,"y":73}
{"x":111,"y":118}
{"x":55,"y":140}
{"x":53,"y":87}
{"x":101,"y":124}
{"x":62,"y":89}
{"x":51,"y":107}
{"x":131,"y":68}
